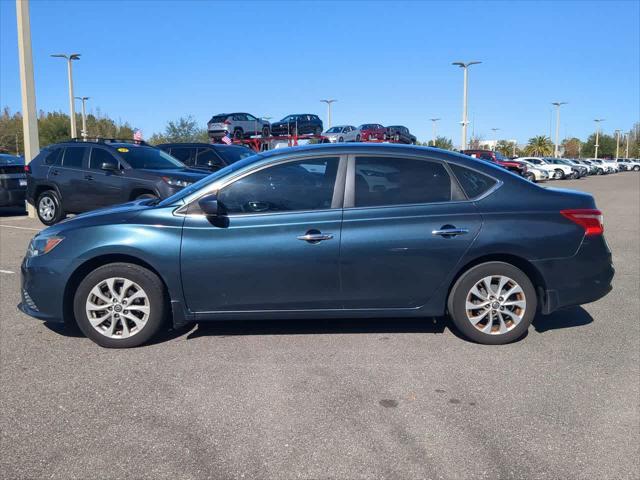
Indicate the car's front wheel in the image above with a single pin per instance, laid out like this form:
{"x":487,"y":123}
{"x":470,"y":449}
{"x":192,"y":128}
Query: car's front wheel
{"x":636,"y":168}
{"x":49,"y":207}
{"x":559,"y":174}
{"x":120,"y":305}
{"x":493,"y":303}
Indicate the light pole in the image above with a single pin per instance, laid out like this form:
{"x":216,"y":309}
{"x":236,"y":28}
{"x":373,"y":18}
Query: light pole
{"x":27,"y":84}
{"x":433,"y":130}
{"x":72,"y":111}
{"x":84,"y":132}
{"x":329,"y":101}
{"x":557,"y":105}
{"x":464,"y":66}
{"x":495,"y":137}
{"x":597,"y":120}
{"x":626,"y":150}
{"x":617,"y":144}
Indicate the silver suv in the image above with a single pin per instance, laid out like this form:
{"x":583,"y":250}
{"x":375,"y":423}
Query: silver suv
{"x":237,"y":125}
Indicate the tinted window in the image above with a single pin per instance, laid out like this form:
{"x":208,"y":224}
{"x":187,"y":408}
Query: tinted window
{"x":473,"y":183}
{"x":54,"y":157}
{"x":232,"y":154}
{"x":73,"y":157}
{"x":147,"y":157}
{"x":396,"y":181}
{"x":218,"y":118}
{"x":100,"y":156}
{"x":302,"y":185}
{"x":207,"y":158}
{"x":184,"y":154}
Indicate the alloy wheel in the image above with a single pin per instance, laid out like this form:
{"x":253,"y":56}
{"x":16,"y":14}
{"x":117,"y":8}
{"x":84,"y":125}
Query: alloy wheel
{"x":117,"y":308}
{"x":495,"y":305}
{"x":47,"y":208}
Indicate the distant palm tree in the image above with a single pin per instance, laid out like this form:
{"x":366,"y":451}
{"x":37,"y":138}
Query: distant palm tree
{"x":540,"y":146}
{"x":505,"y":147}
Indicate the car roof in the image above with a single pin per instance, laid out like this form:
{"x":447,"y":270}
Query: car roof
{"x":198,"y":144}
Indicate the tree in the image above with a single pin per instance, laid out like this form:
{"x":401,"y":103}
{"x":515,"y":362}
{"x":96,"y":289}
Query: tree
{"x":507,"y":148}
{"x":606,"y":146}
{"x":443,"y":142}
{"x":539,"y":146}
{"x":185,"y":129}
{"x":572,"y":147}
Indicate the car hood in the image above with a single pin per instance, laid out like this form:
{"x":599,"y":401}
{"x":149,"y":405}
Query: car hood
{"x":188,"y":174}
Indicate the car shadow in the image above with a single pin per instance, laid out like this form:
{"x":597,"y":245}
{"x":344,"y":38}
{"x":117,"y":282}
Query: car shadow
{"x":12,"y":212}
{"x":226,"y":328}
{"x":566,"y":318}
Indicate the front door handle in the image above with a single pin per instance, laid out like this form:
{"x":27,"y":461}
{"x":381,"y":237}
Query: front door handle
{"x":448,"y":231}
{"x":315,"y":236}
{"x":88,"y":177}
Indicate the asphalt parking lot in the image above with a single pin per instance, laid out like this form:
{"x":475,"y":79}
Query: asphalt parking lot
{"x":331,"y":399}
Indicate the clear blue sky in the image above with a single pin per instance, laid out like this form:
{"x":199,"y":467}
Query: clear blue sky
{"x":389,"y":62}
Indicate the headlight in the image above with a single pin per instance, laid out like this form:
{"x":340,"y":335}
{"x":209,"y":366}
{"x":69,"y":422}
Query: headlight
{"x":42,"y":245}
{"x":175,"y":182}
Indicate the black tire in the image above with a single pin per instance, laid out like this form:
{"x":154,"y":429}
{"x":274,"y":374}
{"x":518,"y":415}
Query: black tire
{"x":317,"y":131}
{"x":146,"y":195}
{"x":458,"y":296}
{"x":49,"y":201}
{"x":358,"y":138}
{"x":150,"y":284}
{"x":600,"y":172}
{"x":530,"y":176}
{"x":560,"y":174}
{"x":340,"y":139}
{"x":636,"y":168}
{"x":238,"y":134}
{"x":266,"y":131}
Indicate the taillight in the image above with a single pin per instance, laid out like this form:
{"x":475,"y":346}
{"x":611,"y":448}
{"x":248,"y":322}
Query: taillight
{"x":227,"y":122}
{"x":589,"y":219}
{"x":27,"y":169}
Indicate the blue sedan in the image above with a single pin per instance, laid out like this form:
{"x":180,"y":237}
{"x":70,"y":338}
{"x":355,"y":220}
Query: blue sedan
{"x":326,"y":231}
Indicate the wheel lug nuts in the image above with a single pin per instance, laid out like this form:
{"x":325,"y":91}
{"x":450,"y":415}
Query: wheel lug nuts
{"x":126,"y":311}
{"x":501,"y":299}
{"x":501,"y":308}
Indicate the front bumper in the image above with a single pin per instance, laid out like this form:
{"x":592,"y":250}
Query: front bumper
{"x":582,"y":278}
{"x":42,"y":289}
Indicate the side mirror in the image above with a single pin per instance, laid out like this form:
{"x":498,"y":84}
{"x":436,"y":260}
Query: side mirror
{"x":209,"y":205}
{"x":109,"y":167}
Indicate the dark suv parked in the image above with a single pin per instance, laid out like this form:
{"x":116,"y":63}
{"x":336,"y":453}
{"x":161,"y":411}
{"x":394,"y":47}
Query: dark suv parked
{"x":206,"y":156}
{"x":13,"y":182}
{"x":78,"y":176}
{"x":401,"y":134}
{"x":301,"y":124}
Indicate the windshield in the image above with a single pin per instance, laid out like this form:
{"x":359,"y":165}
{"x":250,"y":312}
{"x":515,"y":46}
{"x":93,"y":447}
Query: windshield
{"x":335,"y":130}
{"x":232,"y":154}
{"x":147,"y":157}
{"x":209,"y":179}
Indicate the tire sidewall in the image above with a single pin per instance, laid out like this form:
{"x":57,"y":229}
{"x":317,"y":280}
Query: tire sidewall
{"x":58,"y":215}
{"x":458,"y":296}
{"x":147,"y":280}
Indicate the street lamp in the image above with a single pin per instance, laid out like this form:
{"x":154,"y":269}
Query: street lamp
{"x":597,"y":120}
{"x":557,"y":105}
{"x":329,"y":101}
{"x":84,"y":116}
{"x":433,"y":129}
{"x":464,"y":66}
{"x":617,"y":144}
{"x":495,"y":137}
{"x":70,"y":58}
{"x":626,"y":150}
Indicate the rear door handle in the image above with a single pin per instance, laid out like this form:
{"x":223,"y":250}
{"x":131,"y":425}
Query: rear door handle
{"x":88,"y":177}
{"x":55,"y":172}
{"x":314,"y":236}
{"x":450,"y":232}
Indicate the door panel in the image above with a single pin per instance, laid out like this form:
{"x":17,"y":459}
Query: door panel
{"x":256,"y":262}
{"x":102,"y":187}
{"x":69,"y":177}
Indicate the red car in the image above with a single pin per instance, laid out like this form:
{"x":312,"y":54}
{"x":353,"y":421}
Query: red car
{"x":497,"y":157}
{"x":371,"y":131}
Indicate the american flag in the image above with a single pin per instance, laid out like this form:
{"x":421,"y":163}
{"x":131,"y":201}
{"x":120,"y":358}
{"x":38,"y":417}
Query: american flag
{"x":226,"y":139}
{"x":137,"y":135}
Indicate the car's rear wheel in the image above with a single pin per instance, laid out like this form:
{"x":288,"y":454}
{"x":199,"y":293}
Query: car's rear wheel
{"x":559,"y":174}
{"x":358,"y":138}
{"x":120,"y":305}
{"x":636,"y":168}
{"x":238,"y":134}
{"x":340,"y":140}
{"x":49,"y":207}
{"x":530,"y":176}
{"x":493,"y":303}
{"x":266,"y":131}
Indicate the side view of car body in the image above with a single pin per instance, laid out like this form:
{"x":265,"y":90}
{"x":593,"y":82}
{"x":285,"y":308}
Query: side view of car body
{"x":540,"y":164}
{"x":497,"y":158}
{"x":341,"y":133}
{"x":298,"y":124}
{"x":371,"y":131}
{"x":237,"y":125}
{"x":577,"y":171}
{"x":534,"y":173}
{"x":401,"y":134}
{"x":629,"y":164}
{"x":326,"y":231}
{"x":206,"y":156}
{"x":13,"y":181}
{"x":605,"y":166}
{"x":562,"y":171}
{"x":75,"y":177}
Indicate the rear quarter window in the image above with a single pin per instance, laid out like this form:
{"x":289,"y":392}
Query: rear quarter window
{"x":53,"y":156}
{"x":472,"y":182}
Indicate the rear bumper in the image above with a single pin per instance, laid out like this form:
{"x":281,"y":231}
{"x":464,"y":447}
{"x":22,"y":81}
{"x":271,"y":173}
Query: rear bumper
{"x":9,"y":198}
{"x":583,"y":278}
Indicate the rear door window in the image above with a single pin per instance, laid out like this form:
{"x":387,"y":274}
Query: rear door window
{"x":208,"y":158}
{"x":54,"y":157}
{"x":383,"y":181}
{"x":73,"y":157}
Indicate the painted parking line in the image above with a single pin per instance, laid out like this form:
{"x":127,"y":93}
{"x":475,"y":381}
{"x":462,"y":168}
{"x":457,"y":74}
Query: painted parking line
{"x":7,"y":271}
{"x":21,"y":228}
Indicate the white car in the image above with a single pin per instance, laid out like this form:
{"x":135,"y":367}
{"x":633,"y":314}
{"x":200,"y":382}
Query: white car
{"x":608,"y":166}
{"x":534,"y":173}
{"x":555,"y":171}
{"x":341,"y":133}
{"x":629,"y":164}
